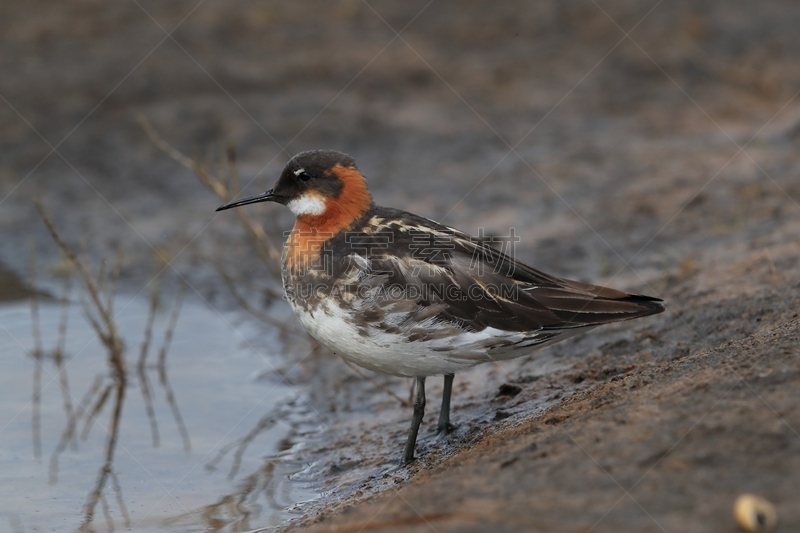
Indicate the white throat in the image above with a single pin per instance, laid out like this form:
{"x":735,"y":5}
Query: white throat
{"x":307,"y":204}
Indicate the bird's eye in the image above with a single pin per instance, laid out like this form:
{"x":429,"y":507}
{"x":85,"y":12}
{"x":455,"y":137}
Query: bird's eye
{"x":304,"y":176}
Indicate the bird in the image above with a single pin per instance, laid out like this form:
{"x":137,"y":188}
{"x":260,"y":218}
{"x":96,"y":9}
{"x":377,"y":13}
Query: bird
{"x":401,"y":294}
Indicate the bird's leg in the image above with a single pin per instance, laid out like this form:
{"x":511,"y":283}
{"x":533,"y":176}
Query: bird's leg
{"x":444,"y":426}
{"x":416,"y":420}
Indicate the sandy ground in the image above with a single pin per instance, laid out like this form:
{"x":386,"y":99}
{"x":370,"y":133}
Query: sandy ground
{"x":661,"y":161}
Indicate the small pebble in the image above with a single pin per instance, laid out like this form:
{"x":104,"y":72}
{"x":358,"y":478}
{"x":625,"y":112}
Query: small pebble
{"x":754,"y":513}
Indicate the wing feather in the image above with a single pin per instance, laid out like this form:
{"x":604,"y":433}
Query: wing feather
{"x":419,"y":274}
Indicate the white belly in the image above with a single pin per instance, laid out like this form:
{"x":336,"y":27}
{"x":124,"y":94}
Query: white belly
{"x":395,"y":354}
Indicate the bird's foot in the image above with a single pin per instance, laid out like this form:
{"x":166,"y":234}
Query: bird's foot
{"x":395,"y":467}
{"x":440,"y":433}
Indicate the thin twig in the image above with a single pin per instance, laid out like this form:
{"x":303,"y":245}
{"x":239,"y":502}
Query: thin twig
{"x":216,"y":187}
{"x":243,"y":303}
{"x":102,"y":291}
{"x":225,"y":190}
{"x":91,"y":285}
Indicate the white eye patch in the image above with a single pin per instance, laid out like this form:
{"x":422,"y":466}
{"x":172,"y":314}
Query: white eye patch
{"x":307,"y":204}
{"x":299,"y":171}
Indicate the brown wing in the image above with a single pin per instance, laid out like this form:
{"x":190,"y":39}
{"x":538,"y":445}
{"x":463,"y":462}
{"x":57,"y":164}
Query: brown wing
{"x":441,"y":272}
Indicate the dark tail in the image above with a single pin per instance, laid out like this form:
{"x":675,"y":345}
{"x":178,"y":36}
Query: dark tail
{"x":649,"y":304}
{"x":581,"y":304}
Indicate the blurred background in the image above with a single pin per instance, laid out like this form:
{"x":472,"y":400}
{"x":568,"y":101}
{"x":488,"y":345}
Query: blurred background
{"x":430,"y":114}
{"x":639,"y":144}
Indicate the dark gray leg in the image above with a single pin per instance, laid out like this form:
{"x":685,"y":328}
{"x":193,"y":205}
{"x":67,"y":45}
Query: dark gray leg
{"x":416,"y":420}
{"x":444,"y":426}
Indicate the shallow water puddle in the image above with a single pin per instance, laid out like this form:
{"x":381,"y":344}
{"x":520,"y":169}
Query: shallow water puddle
{"x":208,"y":398}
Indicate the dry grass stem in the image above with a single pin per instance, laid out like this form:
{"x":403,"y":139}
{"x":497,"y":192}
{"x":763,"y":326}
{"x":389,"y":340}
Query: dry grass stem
{"x":108,"y":333}
{"x":111,"y":388}
{"x":226,"y":188}
{"x":230,"y":284}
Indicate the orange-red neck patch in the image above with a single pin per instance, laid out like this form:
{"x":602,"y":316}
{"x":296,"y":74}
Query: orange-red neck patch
{"x":311,"y":231}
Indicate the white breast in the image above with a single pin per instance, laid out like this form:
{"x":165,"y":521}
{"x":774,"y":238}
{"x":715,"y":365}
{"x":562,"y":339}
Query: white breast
{"x":395,"y":354}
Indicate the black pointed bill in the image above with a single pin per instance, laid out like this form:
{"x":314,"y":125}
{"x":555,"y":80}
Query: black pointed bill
{"x":268,"y":196}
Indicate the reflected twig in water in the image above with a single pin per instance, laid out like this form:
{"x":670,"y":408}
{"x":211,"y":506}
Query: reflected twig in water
{"x":144,"y":382}
{"x":114,"y":348}
{"x":238,"y":515}
{"x":69,"y":434}
{"x":106,"y":329}
{"x":37,"y":360}
{"x":234,"y":511}
{"x":118,"y":493}
{"x":98,"y":406}
{"x":162,"y":369}
{"x":107,"y":389}
{"x":265,"y":423}
{"x":60,"y":350}
{"x":106,"y":514}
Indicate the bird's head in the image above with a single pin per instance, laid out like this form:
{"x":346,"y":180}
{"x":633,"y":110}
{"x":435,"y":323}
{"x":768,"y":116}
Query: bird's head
{"x":322,"y":187}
